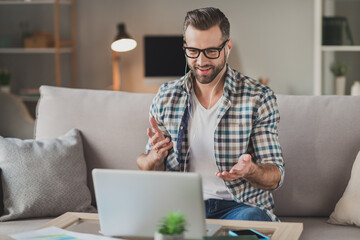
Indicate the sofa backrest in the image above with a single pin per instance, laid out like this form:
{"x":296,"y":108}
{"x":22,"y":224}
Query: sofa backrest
{"x":113,"y":124}
{"x":320,"y":137}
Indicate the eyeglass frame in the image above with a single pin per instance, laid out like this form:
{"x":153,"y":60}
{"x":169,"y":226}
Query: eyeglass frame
{"x":203,"y":50}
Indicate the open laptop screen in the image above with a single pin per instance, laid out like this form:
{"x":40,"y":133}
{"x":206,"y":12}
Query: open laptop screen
{"x":131,"y":203}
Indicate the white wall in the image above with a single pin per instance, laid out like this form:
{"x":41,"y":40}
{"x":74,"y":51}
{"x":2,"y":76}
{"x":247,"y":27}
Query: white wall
{"x":271,"y":38}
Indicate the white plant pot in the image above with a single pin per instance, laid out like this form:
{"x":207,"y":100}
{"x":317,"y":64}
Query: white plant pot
{"x":5,"y":89}
{"x":159,"y":236}
{"x":355,"y":89}
{"x":340,"y":83}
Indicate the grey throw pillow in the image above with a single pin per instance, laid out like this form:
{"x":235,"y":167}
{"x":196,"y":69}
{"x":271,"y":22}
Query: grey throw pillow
{"x":1,"y":197}
{"x":43,"y":178}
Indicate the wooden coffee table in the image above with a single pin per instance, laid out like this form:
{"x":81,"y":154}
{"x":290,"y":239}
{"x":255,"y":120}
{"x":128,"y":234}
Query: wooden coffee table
{"x":89,"y":223}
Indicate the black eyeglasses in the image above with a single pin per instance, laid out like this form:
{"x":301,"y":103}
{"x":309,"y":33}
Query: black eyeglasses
{"x":211,"y":53}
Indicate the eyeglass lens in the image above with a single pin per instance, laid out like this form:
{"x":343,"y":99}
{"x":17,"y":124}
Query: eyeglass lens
{"x":209,"y":52}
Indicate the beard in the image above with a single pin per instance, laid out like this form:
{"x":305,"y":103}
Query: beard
{"x":207,"y":78}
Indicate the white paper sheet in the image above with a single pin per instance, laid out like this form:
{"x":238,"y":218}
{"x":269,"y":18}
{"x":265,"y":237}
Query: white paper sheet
{"x":54,"y":233}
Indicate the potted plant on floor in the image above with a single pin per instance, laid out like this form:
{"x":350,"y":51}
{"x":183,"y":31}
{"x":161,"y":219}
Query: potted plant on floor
{"x":172,"y":227}
{"x":339,"y":70}
{"x":5,"y":76}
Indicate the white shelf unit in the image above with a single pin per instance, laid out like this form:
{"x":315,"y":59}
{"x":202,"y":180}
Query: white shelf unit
{"x":60,"y":46}
{"x":325,"y":55}
{"x":34,"y":50}
{"x":8,"y":2}
{"x":341,"y":48}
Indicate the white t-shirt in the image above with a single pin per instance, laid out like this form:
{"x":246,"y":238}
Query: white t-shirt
{"x":202,"y":125}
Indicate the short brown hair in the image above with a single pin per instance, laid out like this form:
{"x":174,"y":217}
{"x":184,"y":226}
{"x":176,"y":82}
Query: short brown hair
{"x":205,"y":18}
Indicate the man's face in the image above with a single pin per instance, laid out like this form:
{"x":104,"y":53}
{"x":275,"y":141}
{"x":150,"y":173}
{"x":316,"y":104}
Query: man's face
{"x":204,"y":69}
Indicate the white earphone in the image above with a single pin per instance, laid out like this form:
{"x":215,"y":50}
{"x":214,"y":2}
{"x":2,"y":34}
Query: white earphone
{"x":227,"y":56}
{"x":194,"y":135}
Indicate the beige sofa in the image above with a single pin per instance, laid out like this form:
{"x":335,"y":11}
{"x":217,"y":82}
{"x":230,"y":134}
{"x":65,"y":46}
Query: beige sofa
{"x":320,"y":137}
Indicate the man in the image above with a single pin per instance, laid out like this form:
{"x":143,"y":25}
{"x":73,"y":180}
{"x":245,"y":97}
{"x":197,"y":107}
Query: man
{"x":225,"y":122}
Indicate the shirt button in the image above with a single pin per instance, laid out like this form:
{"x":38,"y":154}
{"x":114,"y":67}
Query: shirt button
{"x":181,"y":127}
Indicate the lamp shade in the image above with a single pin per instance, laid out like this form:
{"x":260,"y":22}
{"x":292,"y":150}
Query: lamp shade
{"x":123,"y":42}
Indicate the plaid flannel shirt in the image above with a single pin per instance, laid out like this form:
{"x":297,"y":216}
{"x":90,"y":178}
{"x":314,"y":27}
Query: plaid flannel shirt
{"x":247,"y":123}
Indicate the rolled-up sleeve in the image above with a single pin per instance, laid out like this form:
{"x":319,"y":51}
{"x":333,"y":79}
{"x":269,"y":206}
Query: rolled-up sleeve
{"x":156,"y":113}
{"x":265,"y":139}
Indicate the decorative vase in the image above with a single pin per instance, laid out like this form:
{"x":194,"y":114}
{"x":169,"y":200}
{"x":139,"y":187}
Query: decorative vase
{"x":5,"y":89}
{"x":355,"y":89}
{"x":160,"y":236}
{"x":340,"y":83}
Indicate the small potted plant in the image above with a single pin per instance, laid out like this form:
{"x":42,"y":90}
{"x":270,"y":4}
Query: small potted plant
{"x":5,"y":76}
{"x":172,"y":227}
{"x":339,"y":70}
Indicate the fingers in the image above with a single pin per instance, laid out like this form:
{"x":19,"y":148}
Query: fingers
{"x":159,"y":143}
{"x":242,"y":166}
{"x":163,"y":148}
{"x":239,"y":170}
{"x":155,"y":138}
{"x":150,"y":133}
{"x":245,"y":158}
{"x":162,"y":144}
{"x":227,"y":176}
{"x":156,"y":135}
{"x":236,"y":168}
{"x":154,"y":125}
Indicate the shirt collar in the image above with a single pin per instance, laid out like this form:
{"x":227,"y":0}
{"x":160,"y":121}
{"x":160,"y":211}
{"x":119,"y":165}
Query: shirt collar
{"x":187,"y":82}
{"x":231,"y":76}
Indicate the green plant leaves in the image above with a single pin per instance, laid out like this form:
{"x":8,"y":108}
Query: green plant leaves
{"x":174,"y":223}
{"x":339,"y":69}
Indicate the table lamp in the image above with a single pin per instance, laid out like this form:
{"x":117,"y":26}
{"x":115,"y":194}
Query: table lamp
{"x":122,"y":43}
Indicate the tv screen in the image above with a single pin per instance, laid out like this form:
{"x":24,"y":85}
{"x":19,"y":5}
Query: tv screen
{"x":164,"y":56}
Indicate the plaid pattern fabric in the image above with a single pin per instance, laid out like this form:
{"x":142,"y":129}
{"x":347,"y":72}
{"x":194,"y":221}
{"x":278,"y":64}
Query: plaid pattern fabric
{"x":247,"y":123}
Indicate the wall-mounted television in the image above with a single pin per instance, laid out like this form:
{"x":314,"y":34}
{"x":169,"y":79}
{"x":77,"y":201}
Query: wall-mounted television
{"x":164,"y":58}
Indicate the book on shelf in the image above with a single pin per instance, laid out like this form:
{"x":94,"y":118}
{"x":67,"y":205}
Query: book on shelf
{"x":336,"y":31}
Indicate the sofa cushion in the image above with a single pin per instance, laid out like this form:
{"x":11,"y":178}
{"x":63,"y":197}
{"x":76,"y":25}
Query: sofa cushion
{"x":113,"y":124}
{"x":18,"y":226}
{"x":320,"y":137}
{"x":1,"y":195}
{"x":43,"y":178}
{"x":347,"y":210}
{"x":319,"y":229}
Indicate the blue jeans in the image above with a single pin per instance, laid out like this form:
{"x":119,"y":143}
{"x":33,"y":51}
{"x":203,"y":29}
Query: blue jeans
{"x":221,"y":209}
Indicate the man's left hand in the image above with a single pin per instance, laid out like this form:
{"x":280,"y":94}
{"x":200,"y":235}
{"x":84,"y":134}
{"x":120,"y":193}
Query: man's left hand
{"x":245,"y":167}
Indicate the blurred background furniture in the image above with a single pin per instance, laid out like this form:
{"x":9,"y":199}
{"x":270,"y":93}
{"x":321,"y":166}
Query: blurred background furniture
{"x":15,"y":120}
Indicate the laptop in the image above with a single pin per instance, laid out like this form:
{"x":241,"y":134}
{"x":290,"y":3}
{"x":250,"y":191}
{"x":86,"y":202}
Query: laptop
{"x":131,"y":203}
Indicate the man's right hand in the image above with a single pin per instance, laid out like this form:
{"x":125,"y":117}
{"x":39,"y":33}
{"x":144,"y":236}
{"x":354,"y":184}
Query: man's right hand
{"x":160,"y":144}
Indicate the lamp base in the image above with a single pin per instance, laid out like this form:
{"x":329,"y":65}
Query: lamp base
{"x":116,"y":71}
